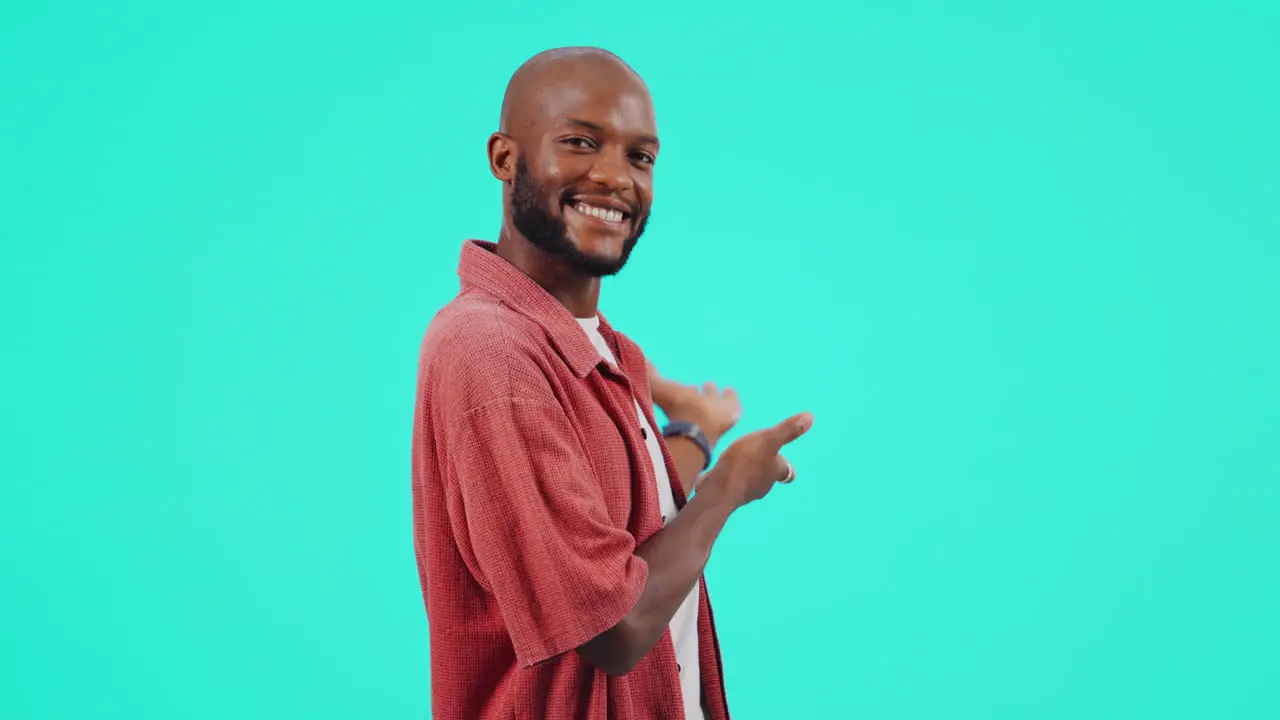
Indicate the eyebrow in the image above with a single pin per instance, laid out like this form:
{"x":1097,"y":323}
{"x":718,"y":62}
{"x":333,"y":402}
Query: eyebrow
{"x":651,"y":139}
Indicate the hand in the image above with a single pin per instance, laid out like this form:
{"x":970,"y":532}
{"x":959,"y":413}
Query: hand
{"x":749,"y":468}
{"x":714,"y":411}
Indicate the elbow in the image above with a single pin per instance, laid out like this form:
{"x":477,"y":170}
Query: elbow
{"x":616,"y":651}
{"x":625,"y":662}
{"x":620,"y":666}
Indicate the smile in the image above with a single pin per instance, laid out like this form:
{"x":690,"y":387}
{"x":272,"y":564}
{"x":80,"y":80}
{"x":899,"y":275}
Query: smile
{"x":608,"y":215}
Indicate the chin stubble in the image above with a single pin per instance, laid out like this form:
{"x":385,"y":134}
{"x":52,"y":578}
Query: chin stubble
{"x":551,"y":235}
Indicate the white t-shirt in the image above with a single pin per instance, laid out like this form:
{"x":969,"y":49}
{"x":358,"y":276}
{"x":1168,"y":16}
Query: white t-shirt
{"x":684,"y":625}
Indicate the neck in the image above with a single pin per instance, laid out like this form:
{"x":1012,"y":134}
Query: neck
{"x":579,"y":293}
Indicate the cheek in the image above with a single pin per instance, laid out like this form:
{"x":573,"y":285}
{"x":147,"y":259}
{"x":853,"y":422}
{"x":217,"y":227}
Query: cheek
{"x":553,"y":185}
{"x":560,"y":168}
{"x":554,"y":175}
{"x":644,"y":193}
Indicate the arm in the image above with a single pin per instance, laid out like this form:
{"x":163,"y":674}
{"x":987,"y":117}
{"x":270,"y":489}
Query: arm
{"x":676,"y":556}
{"x":563,"y":574}
{"x":713,"y":411}
{"x":689,"y":461}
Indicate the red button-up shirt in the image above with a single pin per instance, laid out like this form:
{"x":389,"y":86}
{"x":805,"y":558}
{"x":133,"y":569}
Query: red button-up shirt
{"x":532,"y":489}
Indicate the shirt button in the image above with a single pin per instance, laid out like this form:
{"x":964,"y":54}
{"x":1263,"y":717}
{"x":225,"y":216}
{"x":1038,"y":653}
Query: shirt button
{"x":644,"y":433}
{"x":678,"y":668}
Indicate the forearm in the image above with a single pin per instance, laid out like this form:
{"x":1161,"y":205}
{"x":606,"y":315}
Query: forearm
{"x":676,"y":557}
{"x":689,"y":461}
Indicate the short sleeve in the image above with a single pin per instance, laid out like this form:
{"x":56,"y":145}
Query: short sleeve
{"x":560,"y":570}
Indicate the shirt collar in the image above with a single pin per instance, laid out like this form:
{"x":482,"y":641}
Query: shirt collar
{"x":481,"y":267}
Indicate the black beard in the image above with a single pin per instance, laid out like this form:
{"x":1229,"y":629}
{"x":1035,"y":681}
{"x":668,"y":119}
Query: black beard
{"x":530,"y":216}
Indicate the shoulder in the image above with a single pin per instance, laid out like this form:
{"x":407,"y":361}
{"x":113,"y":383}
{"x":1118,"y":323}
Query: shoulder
{"x":478,"y":350}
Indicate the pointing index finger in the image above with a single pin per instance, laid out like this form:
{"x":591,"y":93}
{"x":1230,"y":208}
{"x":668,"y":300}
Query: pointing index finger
{"x":791,"y":428}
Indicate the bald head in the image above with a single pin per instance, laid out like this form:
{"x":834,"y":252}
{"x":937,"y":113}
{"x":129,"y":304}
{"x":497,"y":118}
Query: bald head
{"x":526,"y":96}
{"x":575,"y":153}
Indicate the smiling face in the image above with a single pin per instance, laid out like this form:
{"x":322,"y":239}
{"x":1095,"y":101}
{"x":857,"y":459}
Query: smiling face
{"x":578,"y":151}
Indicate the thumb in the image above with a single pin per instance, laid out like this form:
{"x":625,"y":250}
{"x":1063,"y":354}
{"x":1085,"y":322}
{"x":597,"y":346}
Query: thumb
{"x":790,"y":429}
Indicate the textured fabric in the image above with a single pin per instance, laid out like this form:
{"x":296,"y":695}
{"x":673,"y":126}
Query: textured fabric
{"x":684,"y":624}
{"x":532,"y":490}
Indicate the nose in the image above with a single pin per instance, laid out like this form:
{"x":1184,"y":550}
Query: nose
{"x":612,"y":170}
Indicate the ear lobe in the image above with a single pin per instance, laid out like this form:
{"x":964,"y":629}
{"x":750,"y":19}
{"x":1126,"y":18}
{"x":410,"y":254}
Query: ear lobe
{"x":502,"y":159}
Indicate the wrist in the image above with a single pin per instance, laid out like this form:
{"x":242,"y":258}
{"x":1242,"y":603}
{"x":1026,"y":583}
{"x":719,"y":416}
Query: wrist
{"x":718,"y":491}
{"x":693,"y":434}
{"x":710,"y":430}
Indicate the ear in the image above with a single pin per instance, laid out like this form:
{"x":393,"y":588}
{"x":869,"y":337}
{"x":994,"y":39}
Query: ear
{"x":502,"y":157}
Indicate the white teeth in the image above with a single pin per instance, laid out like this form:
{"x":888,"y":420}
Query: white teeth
{"x":601,"y":213}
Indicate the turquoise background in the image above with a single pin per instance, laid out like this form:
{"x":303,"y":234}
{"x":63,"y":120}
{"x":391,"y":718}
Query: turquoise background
{"x":1018,"y":258}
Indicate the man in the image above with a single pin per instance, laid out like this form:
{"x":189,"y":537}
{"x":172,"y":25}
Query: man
{"x":560,"y":561}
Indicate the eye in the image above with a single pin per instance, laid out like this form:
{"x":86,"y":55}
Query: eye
{"x":646,"y":158}
{"x":577,"y":141}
